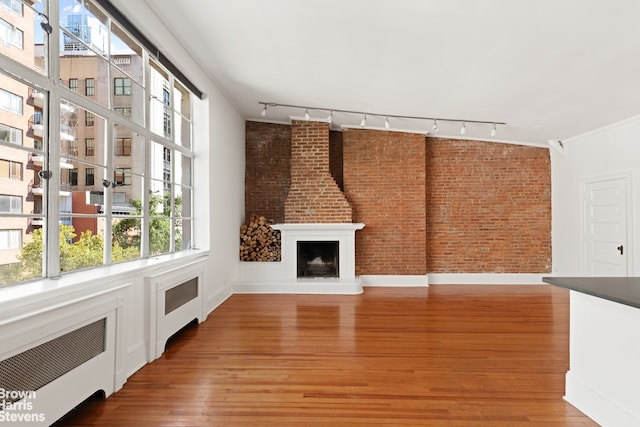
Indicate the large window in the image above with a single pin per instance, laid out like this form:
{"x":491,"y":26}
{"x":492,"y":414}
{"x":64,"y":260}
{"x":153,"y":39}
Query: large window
{"x":126,"y":194}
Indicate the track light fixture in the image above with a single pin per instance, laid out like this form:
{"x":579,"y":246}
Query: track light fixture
{"x":387,"y":124}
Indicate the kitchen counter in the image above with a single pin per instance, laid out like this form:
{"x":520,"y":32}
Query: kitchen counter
{"x":604,"y":347}
{"x":624,"y":290}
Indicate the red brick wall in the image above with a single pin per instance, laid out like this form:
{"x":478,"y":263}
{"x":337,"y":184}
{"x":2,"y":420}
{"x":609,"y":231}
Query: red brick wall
{"x":268,"y":169}
{"x":384,"y":179}
{"x":488,"y":207}
{"x":314,"y":196}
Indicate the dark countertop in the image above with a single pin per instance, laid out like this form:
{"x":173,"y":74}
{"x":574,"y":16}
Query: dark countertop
{"x":624,"y":290}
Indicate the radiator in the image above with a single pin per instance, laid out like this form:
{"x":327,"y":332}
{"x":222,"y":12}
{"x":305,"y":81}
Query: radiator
{"x":53,"y":359}
{"x":175,"y":300}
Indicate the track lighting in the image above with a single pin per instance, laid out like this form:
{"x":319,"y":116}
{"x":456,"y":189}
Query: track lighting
{"x":387,"y":122}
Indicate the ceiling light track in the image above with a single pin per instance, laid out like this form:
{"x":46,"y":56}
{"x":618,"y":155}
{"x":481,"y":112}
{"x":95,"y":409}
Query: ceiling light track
{"x":364,"y":114}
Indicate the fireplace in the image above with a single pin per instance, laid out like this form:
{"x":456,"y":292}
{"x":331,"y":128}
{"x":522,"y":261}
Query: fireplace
{"x":320,"y":255}
{"x":318,"y":259}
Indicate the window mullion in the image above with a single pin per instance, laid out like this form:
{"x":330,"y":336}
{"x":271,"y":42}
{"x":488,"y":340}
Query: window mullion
{"x":146,"y":149}
{"x":52,"y":147}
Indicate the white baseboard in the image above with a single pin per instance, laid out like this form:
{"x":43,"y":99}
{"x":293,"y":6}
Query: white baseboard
{"x":595,"y":405}
{"x":393,"y":280}
{"x":486,"y":278}
{"x":214,"y":300}
{"x":301,"y":286}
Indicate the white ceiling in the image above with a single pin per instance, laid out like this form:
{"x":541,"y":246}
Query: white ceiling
{"x":550,"y":69}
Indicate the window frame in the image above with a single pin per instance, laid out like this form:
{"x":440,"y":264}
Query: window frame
{"x":51,"y":82}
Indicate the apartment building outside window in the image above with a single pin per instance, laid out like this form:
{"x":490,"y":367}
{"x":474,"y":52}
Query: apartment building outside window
{"x":134,"y":121}
{"x":11,"y":35}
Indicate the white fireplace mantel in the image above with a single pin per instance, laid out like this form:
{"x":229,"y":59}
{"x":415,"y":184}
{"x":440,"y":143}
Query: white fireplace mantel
{"x":281,"y":277}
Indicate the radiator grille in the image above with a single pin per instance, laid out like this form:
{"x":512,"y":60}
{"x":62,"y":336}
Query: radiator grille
{"x":179,"y":295}
{"x":38,"y":366}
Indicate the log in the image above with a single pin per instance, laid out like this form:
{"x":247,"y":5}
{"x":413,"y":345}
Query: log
{"x":258,"y":241}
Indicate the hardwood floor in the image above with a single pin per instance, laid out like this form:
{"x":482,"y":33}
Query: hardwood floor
{"x":438,"y":356}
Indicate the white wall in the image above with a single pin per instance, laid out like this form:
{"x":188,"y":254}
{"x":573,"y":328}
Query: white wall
{"x":612,"y":150}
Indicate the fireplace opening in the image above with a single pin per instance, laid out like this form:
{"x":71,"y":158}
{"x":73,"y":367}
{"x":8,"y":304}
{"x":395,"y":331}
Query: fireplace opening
{"x":318,"y":259}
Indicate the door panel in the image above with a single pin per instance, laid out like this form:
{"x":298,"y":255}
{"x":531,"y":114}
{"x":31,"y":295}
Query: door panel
{"x":606,"y":227}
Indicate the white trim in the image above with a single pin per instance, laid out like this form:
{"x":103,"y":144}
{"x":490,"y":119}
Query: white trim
{"x":395,"y":280}
{"x":301,"y":286}
{"x":602,"y":410}
{"x":486,"y":278}
{"x":603,"y":128}
{"x":627,"y":176}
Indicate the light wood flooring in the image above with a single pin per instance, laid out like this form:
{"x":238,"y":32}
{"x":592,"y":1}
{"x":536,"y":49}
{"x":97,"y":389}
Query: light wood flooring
{"x":439,"y":356}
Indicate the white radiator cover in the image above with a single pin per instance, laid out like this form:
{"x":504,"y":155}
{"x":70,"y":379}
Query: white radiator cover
{"x":162,"y":324}
{"x":103,"y":371}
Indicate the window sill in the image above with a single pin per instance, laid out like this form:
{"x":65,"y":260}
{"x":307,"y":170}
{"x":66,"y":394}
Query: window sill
{"x":19,"y":295}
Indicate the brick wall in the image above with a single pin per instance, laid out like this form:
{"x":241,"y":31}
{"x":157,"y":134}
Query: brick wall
{"x":489,"y":207}
{"x":268,"y":169}
{"x":314,"y":196}
{"x":384,"y":179}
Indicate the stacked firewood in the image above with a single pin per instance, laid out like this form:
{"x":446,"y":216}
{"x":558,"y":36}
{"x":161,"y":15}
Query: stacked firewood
{"x":258,"y":241}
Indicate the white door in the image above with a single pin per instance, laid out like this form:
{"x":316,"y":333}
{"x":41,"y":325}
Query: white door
{"x":606,"y":227}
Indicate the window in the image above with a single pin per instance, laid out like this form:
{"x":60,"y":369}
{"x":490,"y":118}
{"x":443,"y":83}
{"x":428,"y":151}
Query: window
{"x":89,"y":176}
{"x":147,"y":204}
{"x":11,"y":35}
{"x":10,"y":101}
{"x":123,"y":146}
{"x":121,"y":86}
{"x":73,"y":176}
{"x":10,"y":204}
{"x":122,"y":176}
{"x":10,"y":134}
{"x":10,"y":239}
{"x":89,"y":87}
{"x":89,"y":146}
{"x":89,"y":118}
{"x":14,"y":5}
{"x":125,"y":111}
{"x":10,"y":170}
{"x":73,"y":148}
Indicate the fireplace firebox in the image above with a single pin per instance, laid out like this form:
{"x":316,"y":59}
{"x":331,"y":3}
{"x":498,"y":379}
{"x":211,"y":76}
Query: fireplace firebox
{"x":318,"y":259}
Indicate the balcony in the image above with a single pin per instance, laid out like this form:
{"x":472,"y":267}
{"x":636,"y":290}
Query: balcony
{"x":35,"y":99}
{"x":38,"y":160}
